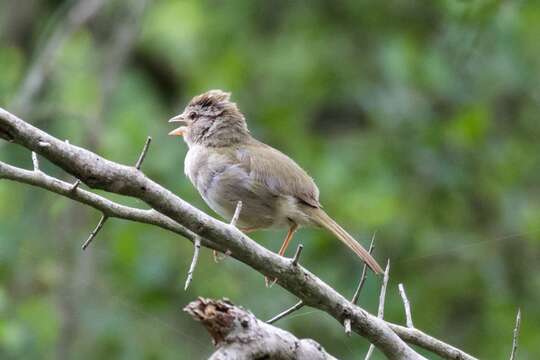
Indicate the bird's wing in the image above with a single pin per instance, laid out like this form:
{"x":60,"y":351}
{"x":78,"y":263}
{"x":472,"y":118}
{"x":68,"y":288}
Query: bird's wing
{"x":278,"y":173}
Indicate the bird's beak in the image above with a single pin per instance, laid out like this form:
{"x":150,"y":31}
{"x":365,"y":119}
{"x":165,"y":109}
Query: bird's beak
{"x":178,"y":118}
{"x":182,"y":129}
{"x":178,"y":131}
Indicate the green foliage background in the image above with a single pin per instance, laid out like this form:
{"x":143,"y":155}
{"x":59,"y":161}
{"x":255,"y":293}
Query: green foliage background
{"x":418,"y":120}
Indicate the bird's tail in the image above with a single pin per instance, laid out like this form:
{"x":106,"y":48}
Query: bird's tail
{"x":322,"y":219}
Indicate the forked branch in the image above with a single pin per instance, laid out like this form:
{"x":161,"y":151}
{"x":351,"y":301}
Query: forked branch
{"x":100,"y":173}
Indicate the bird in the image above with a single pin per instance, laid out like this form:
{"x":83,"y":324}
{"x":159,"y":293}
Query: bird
{"x":226,"y":164}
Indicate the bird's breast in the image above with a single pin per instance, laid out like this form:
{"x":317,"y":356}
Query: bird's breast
{"x":195,"y":161}
{"x":222,"y":182}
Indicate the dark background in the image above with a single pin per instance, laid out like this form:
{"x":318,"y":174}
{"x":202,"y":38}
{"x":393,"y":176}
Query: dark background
{"x":418,"y":120}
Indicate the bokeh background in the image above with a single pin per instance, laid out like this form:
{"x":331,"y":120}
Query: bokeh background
{"x":418,"y":120}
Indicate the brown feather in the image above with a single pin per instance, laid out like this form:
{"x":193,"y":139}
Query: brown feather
{"x":226,"y":165}
{"x":322,"y":219}
{"x":279,"y":173}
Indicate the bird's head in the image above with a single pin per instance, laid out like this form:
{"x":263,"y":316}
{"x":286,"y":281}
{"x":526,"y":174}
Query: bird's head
{"x":211,"y":119}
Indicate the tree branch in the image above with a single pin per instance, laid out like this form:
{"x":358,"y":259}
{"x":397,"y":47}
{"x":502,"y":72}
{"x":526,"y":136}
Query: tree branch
{"x":98,"y":172}
{"x":143,"y":153}
{"x":406,"y":306}
{"x":196,"y":251}
{"x":382,"y":299}
{"x":95,"y":231}
{"x":296,"y":257}
{"x":290,"y":310}
{"x":35,"y":161}
{"x":515,"y":336}
{"x":425,"y":341}
{"x":108,"y":207}
{"x":238,"y":334}
{"x":363,"y":277}
{"x":236,"y":214}
{"x":354,"y":300}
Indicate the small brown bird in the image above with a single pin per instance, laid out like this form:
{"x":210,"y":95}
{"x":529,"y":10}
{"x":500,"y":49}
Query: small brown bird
{"x":226,"y":165}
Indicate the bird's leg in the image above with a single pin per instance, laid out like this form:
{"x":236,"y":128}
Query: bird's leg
{"x":288,"y":239}
{"x":284,"y":246}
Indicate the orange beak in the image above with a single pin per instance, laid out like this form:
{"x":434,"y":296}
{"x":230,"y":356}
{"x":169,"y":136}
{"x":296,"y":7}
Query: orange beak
{"x":182,"y":129}
{"x":178,"y":131}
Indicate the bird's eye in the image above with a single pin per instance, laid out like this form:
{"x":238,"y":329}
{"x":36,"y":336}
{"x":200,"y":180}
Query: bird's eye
{"x":192,"y":115}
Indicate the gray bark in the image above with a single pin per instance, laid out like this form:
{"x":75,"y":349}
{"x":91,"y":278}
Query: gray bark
{"x":100,"y":173}
{"x":239,"y":335}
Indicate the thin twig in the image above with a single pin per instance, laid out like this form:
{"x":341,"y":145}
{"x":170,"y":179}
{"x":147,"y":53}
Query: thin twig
{"x":354,"y":299}
{"x":96,"y":230}
{"x":515,"y":337}
{"x":113,"y":177}
{"x":155,"y":218}
{"x":143,"y":153}
{"x":233,"y":222}
{"x":106,"y":206}
{"x":75,"y":185}
{"x":380,"y":312}
{"x":347,"y":326}
{"x":290,"y":310}
{"x":35,"y":161}
{"x":197,"y":248}
{"x":382,"y":296}
{"x":297,"y":254}
{"x":406,"y":305}
{"x":236,"y":215}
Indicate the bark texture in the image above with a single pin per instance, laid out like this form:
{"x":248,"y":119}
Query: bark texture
{"x":174,"y":214}
{"x":238,"y":334}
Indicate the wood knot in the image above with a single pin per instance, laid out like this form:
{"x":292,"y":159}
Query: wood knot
{"x":217,"y":316}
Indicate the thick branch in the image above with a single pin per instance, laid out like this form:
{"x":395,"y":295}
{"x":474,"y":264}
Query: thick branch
{"x":238,"y":334}
{"x":100,"y":173}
